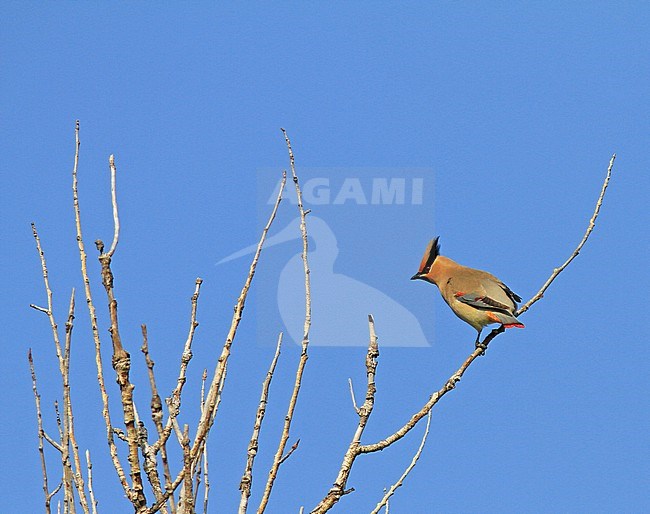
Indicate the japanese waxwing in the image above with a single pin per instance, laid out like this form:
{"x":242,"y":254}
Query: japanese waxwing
{"x":477,"y":297}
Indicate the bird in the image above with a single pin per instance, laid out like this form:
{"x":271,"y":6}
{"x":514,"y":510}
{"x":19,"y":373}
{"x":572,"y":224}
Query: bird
{"x":477,"y":297}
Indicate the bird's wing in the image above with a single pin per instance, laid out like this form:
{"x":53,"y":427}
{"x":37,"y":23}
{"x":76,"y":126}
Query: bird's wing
{"x":483,"y":291}
{"x":482,"y":301}
{"x":512,"y":295}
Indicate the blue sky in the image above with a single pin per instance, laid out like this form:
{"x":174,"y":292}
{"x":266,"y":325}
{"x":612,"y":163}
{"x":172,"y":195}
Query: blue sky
{"x":509,"y":112}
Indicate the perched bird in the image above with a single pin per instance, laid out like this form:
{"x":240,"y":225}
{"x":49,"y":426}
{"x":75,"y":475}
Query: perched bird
{"x":477,"y":297}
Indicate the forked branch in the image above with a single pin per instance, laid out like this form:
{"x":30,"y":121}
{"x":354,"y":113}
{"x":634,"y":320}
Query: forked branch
{"x":121,"y":359}
{"x":338,"y":490}
{"x":339,"y":487}
{"x":279,"y":457}
{"x":247,"y":479}
{"x":94,"y":327}
{"x":384,"y":501}
{"x":451,"y":383}
{"x":213,"y":395}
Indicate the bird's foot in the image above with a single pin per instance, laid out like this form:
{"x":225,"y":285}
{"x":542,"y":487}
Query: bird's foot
{"x":481,"y":346}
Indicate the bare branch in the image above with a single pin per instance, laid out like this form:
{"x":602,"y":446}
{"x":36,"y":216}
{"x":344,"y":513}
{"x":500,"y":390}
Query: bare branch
{"x":206,"y":476}
{"x":173,"y":404}
{"x":453,"y":380}
{"x":121,"y":362}
{"x":39,"y":421}
{"x":400,"y":481}
{"x":54,"y":444}
{"x":213,"y":396}
{"x":150,"y":464}
{"x":434,"y":398}
{"x":116,"y":218}
{"x":354,"y":400}
{"x":174,"y":400}
{"x":91,"y":491}
{"x":590,"y":227}
{"x":353,"y":451}
{"x":63,"y":355}
{"x":293,"y":448}
{"x":48,"y":292}
{"x":186,"y":502}
{"x":41,"y":309}
{"x":451,"y":383}
{"x":214,"y":391}
{"x":204,"y":377}
{"x":57,"y":415}
{"x":197,"y":480}
{"x":156,"y":416}
{"x":247,"y":479}
{"x":93,"y":323}
{"x":305,"y":338}
{"x":67,"y":408}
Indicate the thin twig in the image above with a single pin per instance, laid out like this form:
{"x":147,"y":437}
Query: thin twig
{"x":186,"y":502}
{"x":199,"y":472}
{"x":247,"y":479}
{"x":400,"y":481}
{"x":174,"y":400}
{"x":293,"y":448}
{"x":197,"y":481}
{"x":213,"y":395}
{"x":93,"y":323}
{"x":41,"y":432}
{"x":173,"y":403}
{"x":69,"y":416}
{"x":48,"y":292}
{"x":273,"y":472}
{"x":62,"y":446}
{"x":63,"y":355}
{"x":55,"y":445}
{"x":116,"y":218}
{"x":353,"y":451}
{"x":354,"y":400}
{"x":590,"y":227}
{"x":156,"y":416}
{"x":214,"y":391}
{"x":206,"y":476}
{"x":121,"y":360}
{"x":91,"y":491}
{"x":41,"y":309}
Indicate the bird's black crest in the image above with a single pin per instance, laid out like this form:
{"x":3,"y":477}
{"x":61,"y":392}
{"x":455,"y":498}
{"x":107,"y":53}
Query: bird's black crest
{"x":433,"y":250}
{"x":430,"y":254}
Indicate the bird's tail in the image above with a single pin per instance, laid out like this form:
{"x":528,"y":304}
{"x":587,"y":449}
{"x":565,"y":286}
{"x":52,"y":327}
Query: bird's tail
{"x":507,"y":320}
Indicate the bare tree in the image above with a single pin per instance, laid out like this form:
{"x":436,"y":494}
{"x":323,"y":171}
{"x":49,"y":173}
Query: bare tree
{"x":151,"y":480}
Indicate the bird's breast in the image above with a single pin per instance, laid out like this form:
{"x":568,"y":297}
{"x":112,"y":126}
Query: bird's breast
{"x":476,"y":317}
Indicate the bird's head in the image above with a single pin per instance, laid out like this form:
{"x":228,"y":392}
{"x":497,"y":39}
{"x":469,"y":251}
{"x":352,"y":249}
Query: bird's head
{"x":430,"y":254}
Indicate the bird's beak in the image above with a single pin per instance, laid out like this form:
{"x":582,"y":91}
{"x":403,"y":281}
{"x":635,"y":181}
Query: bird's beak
{"x":416,"y":276}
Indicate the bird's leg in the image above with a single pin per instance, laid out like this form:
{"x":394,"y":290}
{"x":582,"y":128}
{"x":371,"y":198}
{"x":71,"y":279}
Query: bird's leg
{"x":478,"y":344}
